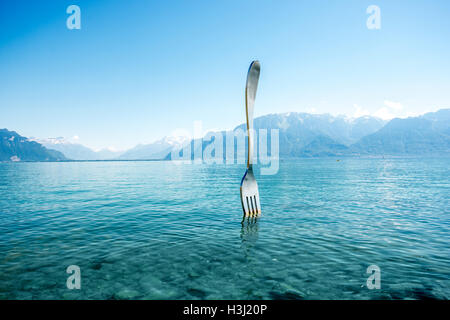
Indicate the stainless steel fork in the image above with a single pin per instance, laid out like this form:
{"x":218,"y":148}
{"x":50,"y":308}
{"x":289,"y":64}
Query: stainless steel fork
{"x":249,"y":186}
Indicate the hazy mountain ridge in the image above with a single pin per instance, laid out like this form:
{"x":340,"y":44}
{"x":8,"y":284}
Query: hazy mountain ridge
{"x":14,"y":147}
{"x":311,"y":135}
{"x":340,"y":128}
{"x":304,"y":135}
{"x":154,"y":151}
{"x":427,"y":134}
{"x":300,"y":135}
{"x":76,"y":151}
{"x":307,"y":135}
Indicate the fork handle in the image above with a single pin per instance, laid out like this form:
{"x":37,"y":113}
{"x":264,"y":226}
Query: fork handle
{"x":250,"y":94}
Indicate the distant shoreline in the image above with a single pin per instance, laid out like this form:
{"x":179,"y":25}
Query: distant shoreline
{"x":281,"y":159}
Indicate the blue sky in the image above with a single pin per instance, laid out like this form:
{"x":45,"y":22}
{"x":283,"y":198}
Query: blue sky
{"x":138,"y":70}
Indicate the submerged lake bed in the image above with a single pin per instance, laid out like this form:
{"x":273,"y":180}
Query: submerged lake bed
{"x":160,"y":230}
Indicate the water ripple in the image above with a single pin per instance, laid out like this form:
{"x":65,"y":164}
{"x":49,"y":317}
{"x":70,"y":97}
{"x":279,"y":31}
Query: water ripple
{"x":156,"y":230}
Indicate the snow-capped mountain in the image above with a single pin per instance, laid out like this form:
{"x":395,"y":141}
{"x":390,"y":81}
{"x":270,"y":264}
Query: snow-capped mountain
{"x":14,"y":147}
{"x":156,"y":150}
{"x":342,"y":129}
{"x":300,"y":135}
{"x":76,"y":151}
{"x":428,"y":134}
{"x":316,"y":135}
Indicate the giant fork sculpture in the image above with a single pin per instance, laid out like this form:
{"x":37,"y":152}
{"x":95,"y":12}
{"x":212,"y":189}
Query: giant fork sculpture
{"x":249,"y":186}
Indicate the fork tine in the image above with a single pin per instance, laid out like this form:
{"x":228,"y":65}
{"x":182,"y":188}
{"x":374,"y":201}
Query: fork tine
{"x":253,"y":206}
{"x":256,"y":206}
{"x":249,"y":212}
{"x":244,"y":207}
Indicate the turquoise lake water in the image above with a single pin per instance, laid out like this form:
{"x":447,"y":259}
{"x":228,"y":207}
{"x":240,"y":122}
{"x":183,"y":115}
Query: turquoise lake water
{"x":157,"y":230}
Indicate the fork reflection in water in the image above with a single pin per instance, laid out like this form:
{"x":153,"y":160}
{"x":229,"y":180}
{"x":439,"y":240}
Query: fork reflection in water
{"x":249,"y":234}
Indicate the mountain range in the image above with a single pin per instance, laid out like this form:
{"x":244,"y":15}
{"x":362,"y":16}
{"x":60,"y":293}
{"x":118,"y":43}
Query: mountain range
{"x":300,"y":135}
{"x":76,"y":151}
{"x":311,"y":135}
{"x":14,"y":147}
{"x":154,"y":151}
{"x":427,"y":134}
